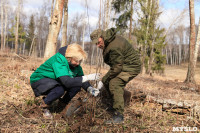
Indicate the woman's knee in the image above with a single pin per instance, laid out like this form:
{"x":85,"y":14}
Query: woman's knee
{"x":60,"y":90}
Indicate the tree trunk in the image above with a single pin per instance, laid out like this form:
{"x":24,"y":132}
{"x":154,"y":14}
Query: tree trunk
{"x":17,"y":27}
{"x":107,"y":8}
{"x":130,"y":31}
{"x":83,"y":36}
{"x":31,"y":46}
{"x":54,"y":29}
{"x":52,"y":3}
{"x":171,"y":58}
{"x":197,"y":45}
{"x":100,"y":16}
{"x":2,"y":37}
{"x":151,"y":59}
{"x":39,"y":48}
{"x":143,"y":70}
{"x":180,"y":55}
{"x":191,"y":65}
{"x":24,"y":45}
{"x":64,"y":30}
{"x":166,"y":56}
{"x":149,"y":70}
{"x":5,"y":29}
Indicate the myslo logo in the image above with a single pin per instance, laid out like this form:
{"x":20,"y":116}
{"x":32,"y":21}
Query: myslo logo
{"x":178,"y":129}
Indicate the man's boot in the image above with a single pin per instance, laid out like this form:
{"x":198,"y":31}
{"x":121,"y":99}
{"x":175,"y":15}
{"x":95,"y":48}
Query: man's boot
{"x":117,"y":118}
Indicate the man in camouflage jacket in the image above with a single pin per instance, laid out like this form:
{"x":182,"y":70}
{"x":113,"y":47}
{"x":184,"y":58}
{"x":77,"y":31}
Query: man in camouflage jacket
{"x":124,"y":62}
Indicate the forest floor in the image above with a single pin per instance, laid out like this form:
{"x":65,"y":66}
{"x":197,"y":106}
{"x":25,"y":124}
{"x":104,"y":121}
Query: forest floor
{"x":19,"y":110}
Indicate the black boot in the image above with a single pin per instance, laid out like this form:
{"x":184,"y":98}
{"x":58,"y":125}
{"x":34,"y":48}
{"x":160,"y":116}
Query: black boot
{"x":61,"y":106}
{"x":117,"y":118}
{"x":110,"y":109}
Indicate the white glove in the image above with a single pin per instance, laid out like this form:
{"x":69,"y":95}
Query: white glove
{"x":94,"y":76}
{"x":93,"y":91}
{"x":100,"y":85}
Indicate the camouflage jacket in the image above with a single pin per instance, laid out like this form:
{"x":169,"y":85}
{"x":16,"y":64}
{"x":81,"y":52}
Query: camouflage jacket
{"x":120,"y":55}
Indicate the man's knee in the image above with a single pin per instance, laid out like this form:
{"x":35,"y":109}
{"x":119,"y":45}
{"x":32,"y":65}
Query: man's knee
{"x":116,"y":83}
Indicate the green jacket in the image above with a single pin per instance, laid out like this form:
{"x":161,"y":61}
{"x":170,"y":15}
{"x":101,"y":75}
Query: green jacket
{"x":55,"y":67}
{"x":120,"y":55}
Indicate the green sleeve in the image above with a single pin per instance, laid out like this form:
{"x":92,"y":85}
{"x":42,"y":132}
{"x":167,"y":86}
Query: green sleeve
{"x":80,"y":71}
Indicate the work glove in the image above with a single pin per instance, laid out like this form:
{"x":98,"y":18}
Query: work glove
{"x":100,"y":85}
{"x":93,"y":91}
{"x":94,"y":76}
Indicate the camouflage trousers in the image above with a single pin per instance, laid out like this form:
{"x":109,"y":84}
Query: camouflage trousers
{"x":116,"y":87}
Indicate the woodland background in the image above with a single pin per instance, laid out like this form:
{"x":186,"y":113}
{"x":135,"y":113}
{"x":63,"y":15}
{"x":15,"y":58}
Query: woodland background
{"x":164,"y":95}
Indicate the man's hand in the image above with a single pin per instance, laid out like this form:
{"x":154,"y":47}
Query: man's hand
{"x":93,"y":91}
{"x":100,"y":85}
{"x":94,"y":76}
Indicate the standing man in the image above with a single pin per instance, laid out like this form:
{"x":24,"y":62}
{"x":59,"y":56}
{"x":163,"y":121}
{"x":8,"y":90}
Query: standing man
{"x":61,"y":77}
{"x":124,"y":62}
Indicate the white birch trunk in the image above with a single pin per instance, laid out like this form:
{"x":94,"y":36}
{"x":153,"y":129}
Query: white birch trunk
{"x":130,"y":30}
{"x":54,"y":29}
{"x":17,"y":27}
{"x":107,"y":16}
{"x":31,"y":46}
{"x":64,"y":30}
{"x":83,"y":36}
{"x":5,"y":29}
{"x":2,"y":37}
{"x":24,"y":48}
{"x":52,"y":3}
{"x":197,"y":45}
{"x":180,"y":54}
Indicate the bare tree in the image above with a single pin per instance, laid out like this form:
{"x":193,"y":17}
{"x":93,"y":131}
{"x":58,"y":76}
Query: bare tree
{"x":131,"y":19}
{"x":176,"y":20}
{"x":180,"y":34}
{"x":83,"y":35}
{"x":17,"y":27}
{"x":64,"y":27}
{"x":100,"y":14}
{"x":197,"y":45}
{"x":143,"y":70}
{"x":42,"y":27}
{"x":54,"y":29}
{"x":2,"y":32}
{"x":52,"y":4}
{"x":5,"y":28}
{"x":191,"y":65}
{"x":107,"y":13}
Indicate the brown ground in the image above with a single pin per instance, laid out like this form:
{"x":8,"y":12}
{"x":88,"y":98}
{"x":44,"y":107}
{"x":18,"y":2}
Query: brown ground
{"x":19,"y":111}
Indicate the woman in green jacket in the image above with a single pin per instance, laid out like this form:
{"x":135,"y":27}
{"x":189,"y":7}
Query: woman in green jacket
{"x":62,"y":73}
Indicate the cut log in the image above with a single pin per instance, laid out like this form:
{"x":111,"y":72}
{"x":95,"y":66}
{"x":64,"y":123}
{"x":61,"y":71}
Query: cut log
{"x":176,"y":106}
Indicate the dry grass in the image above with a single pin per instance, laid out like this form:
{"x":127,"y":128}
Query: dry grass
{"x":179,"y":73}
{"x":19,"y":110}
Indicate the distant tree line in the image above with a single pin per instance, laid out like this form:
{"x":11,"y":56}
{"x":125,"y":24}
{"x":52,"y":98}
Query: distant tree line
{"x":43,"y":32}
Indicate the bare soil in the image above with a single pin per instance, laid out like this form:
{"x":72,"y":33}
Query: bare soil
{"x":20,"y":112}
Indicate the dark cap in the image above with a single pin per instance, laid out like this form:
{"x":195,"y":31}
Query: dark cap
{"x":94,"y":36}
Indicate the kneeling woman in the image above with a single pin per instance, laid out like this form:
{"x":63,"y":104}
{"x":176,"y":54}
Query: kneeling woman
{"x":62,"y":73}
